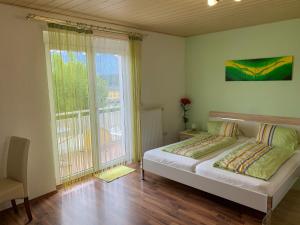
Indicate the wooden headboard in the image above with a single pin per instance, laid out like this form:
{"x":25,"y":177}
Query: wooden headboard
{"x":249,"y":123}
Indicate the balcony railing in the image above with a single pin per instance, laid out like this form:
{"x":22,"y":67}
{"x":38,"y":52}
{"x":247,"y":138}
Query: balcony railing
{"x":74,"y":138}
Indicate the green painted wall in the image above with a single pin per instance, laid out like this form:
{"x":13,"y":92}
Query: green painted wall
{"x":205,"y":71}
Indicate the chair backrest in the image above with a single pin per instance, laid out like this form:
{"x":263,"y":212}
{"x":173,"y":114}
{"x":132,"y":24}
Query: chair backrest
{"x":17,"y":160}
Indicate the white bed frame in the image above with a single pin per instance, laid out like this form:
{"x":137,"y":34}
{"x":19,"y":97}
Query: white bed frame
{"x":248,"y":124}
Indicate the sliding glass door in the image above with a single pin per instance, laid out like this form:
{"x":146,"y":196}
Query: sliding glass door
{"x":91,"y":105}
{"x":110,"y":108}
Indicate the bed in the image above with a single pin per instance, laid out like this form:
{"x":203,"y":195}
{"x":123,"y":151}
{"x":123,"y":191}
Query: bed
{"x":252,"y":192}
{"x":182,"y":162}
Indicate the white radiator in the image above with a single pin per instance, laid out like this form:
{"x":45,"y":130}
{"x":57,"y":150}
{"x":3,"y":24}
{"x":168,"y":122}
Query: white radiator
{"x":152,"y":129}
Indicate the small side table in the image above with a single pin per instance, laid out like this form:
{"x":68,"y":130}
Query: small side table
{"x":186,"y":134}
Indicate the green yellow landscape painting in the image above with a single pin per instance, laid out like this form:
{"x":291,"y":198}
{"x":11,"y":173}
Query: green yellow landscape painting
{"x":264,"y":69}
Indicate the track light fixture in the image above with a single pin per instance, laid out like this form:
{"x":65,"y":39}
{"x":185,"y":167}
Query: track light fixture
{"x":214,"y":2}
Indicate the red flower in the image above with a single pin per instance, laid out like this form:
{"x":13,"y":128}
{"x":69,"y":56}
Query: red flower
{"x":185,"y":101}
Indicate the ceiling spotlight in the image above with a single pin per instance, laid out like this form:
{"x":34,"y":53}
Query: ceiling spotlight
{"x":212,"y":2}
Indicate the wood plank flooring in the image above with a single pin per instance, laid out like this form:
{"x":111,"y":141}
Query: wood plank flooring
{"x":288,"y":210}
{"x":130,"y":201}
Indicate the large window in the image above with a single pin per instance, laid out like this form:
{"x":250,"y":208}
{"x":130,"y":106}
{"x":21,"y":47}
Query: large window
{"x":110,"y":107}
{"x":91,"y":103}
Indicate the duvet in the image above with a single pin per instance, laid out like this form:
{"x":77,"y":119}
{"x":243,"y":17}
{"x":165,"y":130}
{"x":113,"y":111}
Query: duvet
{"x":200,"y":145}
{"x":255,"y":160}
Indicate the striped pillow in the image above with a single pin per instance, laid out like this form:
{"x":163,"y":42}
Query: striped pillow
{"x":221,"y":128}
{"x":274,"y":135}
{"x":266,"y":133}
{"x":228,"y":129}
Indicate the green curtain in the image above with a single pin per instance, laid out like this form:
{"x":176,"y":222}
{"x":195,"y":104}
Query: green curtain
{"x":68,"y":50}
{"x":135,"y":56}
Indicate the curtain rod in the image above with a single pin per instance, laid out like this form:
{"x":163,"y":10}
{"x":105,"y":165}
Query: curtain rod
{"x":82,"y":25}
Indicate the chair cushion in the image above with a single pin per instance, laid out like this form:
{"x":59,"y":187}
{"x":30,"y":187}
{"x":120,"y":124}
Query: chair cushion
{"x":10,"y":189}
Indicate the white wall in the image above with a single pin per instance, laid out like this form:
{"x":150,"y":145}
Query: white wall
{"x":163,"y":79}
{"x":24,"y":102}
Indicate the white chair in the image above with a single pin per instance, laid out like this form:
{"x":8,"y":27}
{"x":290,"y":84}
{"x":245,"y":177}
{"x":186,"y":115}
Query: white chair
{"x":14,"y":186}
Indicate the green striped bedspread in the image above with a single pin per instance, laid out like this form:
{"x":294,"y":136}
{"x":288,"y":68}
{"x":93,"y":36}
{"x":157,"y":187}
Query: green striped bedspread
{"x":255,"y":160}
{"x":200,"y":145}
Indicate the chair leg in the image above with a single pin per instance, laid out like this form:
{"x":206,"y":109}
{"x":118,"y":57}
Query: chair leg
{"x":27,"y":208}
{"x":14,"y":205}
{"x":143,"y":175}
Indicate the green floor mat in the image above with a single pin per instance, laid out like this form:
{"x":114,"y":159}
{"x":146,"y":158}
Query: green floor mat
{"x":114,"y":173}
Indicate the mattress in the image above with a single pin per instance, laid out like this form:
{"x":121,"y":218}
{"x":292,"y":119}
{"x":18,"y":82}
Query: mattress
{"x":288,"y":169}
{"x":183,"y":162}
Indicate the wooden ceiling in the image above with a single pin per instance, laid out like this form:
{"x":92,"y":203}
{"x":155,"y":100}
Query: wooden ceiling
{"x":177,"y":17}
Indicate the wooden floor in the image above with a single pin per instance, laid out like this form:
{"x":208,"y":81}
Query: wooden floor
{"x":288,"y":210}
{"x":130,"y":201}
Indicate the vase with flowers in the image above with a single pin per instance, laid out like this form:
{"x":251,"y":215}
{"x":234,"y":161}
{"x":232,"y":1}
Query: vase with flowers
{"x":185,"y":104}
